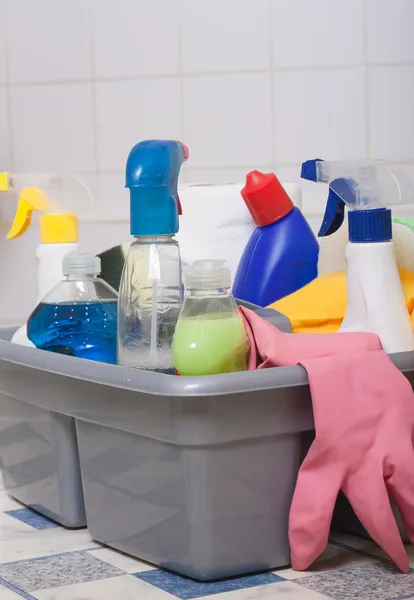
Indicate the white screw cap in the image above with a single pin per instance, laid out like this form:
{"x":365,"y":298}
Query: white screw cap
{"x":81,"y":263}
{"x":207,"y":274}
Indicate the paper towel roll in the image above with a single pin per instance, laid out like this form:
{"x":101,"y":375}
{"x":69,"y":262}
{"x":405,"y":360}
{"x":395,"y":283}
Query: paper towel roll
{"x":216,"y":222}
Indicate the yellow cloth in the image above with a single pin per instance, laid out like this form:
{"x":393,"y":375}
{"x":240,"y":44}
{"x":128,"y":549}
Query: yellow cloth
{"x":320,"y":306}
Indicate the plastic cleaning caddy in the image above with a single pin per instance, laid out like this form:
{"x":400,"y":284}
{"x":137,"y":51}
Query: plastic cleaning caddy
{"x":192,"y":473}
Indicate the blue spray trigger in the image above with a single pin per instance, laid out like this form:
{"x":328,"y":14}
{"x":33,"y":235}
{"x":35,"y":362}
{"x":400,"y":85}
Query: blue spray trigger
{"x":334,"y":214}
{"x":341,"y":193}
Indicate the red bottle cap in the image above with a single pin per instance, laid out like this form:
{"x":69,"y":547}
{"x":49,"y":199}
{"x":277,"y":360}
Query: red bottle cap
{"x":266,"y":198}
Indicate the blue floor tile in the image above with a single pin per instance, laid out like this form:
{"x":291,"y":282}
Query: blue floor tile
{"x":187,"y":589}
{"x":32,"y":518}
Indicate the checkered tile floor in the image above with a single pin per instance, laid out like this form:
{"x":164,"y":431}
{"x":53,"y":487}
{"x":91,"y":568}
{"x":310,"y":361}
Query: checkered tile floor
{"x":41,"y":561}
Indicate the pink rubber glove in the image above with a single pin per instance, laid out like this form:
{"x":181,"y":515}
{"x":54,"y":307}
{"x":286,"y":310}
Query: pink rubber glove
{"x":364,"y":421}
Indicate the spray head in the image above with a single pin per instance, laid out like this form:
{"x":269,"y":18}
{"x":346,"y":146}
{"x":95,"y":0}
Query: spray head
{"x":152,"y":172}
{"x":367,"y":188}
{"x":56,"y":197}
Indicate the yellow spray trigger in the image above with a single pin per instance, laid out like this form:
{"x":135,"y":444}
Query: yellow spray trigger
{"x":30,"y":199}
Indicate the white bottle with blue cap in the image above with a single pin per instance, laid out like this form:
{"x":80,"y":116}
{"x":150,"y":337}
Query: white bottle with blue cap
{"x":376,"y":302}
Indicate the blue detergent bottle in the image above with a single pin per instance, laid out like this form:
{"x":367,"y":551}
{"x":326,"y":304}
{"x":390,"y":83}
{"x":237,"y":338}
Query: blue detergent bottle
{"x":79,"y":316}
{"x":150,"y":290}
{"x":282,"y":253}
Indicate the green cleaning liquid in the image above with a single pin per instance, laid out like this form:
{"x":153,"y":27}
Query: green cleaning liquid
{"x":209,"y":344}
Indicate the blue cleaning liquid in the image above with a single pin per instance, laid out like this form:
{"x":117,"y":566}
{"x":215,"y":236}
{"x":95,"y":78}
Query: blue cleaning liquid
{"x":85,"y":330}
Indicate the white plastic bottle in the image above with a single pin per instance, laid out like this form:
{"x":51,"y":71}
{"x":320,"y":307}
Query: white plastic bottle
{"x":58,"y":230}
{"x":373,"y":282}
{"x":376,"y":302}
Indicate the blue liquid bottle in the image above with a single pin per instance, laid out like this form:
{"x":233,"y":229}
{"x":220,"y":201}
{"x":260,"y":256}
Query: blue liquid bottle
{"x":79,"y":316}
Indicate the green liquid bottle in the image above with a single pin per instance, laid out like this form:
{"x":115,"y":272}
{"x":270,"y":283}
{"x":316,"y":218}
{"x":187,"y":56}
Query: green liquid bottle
{"x":209,"y":337}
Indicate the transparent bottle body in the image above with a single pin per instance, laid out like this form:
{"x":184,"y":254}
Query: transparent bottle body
{"x":77,"y":318}
{"x":150,"y":299}
{"x":210,"y":337}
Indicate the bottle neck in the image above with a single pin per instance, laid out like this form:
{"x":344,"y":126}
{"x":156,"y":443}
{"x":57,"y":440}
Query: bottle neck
{"x":154,"y":239}
{"x":209,"y":293}
{"x":80,"y":277}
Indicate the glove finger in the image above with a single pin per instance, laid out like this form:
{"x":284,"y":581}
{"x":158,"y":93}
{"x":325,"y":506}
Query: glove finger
{"x":311,"y":510}
{"x":401,"y":487}
{"x":367,"y":493}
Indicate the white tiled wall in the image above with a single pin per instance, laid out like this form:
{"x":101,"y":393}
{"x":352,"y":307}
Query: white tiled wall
{"x":245,"y":83}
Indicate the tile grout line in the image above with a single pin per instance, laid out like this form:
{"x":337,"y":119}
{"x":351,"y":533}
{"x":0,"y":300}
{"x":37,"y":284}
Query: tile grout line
{"x":280,"y":165}
{"x":364,"y":17}
{"x":16,"y":590}
{"x":181,"y":72}
{"x":199,"y":74}
{"x":8,"y":85}
{"x":273,"y":133}
{"x":91,"y":32}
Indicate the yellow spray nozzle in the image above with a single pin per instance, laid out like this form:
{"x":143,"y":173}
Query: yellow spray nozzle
{"x":4,"y":182}
{"x":30,"y":199}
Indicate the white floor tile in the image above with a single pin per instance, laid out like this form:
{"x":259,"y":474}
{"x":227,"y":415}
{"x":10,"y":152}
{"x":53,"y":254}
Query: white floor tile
{"x":43,"y":543}
{"x":8,"y":503}
{"x":122,"y":561}
{"x":117,"y":588}
{"x":6,"y":594}
{"x":11,"y":527}
{"x":333,"y":559}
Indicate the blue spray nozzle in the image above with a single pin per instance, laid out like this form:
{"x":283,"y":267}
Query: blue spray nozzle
{"x":152,"y":172}
{"x":309,"y":170}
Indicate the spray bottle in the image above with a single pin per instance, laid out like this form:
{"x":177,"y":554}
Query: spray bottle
{"x":376,"y":302}
{"x":55,"y":197}
{"x":150,"y":290}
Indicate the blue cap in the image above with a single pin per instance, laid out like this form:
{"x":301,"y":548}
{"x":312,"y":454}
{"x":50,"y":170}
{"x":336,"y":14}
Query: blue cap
{"x":373,"y":225}
{"x":152,"y":172}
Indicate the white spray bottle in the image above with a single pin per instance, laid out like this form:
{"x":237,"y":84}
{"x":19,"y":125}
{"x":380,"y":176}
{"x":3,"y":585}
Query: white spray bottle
{"x":376,"y":302}
{"x":55,"y":197}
